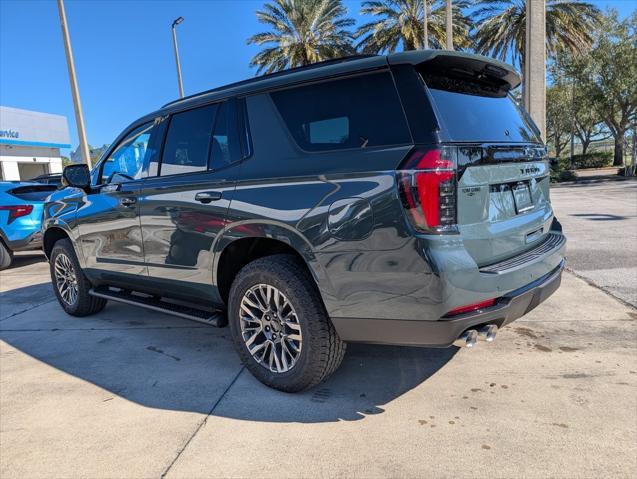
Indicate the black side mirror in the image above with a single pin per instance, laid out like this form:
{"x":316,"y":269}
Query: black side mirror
{"x":77,"y":176}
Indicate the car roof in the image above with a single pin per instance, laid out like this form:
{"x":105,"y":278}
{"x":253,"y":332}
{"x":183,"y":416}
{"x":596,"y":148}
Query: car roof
{"x":337,"y":67}
{"x":324,"y":70}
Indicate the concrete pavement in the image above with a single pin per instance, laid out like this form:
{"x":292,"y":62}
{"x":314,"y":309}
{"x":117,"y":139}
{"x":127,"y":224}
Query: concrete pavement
{"x":128,"y":393}
{"x":600,"y":220}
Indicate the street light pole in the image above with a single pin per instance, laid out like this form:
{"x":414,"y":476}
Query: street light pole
{"x":449,"y":32}
{"x":77,"y":103}
{"x":177,"y":62}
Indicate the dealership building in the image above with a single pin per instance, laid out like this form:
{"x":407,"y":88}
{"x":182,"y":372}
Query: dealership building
{"x":30,"y":143}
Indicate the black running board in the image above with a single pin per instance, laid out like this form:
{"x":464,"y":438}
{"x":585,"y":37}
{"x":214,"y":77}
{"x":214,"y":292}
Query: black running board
{"x":212,"y":318}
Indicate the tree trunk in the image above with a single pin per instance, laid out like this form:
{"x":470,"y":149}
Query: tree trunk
{"x":523,"y":84}
{"x":585,"y":146}
{"x":425,"y":23}
{"x":449,"y":26}
{"x":618,"y":156}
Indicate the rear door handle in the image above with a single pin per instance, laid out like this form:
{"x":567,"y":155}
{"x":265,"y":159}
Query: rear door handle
{"x":208,"y":196}
{"x":128,"y":201}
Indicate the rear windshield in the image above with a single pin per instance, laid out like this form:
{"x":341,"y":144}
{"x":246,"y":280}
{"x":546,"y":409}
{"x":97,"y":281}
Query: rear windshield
{"x":471,"y":113}
{"x":33,"y":192}
{"x":357,"y":112}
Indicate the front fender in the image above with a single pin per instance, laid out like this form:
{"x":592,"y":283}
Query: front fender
{"x":60,"y":212}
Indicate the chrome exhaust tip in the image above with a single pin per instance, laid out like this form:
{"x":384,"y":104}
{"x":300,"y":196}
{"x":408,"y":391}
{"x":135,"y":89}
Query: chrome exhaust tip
{"x":467,"y":339}
{"x":487,"y":333}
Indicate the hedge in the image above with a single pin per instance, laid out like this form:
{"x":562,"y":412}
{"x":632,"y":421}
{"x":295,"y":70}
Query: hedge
{"x":597,"y":159}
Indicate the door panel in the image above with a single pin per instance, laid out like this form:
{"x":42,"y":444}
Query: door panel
{"x":108,"y":220}
{"x":179,"y":230}
{"x":183,"y":209}
{"x":110,"y":233}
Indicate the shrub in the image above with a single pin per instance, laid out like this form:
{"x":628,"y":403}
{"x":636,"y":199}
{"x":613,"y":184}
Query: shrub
{"x":557,"y":176}
{"x":597,"y":159}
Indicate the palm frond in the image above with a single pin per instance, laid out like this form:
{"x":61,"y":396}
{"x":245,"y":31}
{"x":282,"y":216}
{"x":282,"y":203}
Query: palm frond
{"x":399,"y":23}
{"x":501,"y":27}
{"x":301,"y":32}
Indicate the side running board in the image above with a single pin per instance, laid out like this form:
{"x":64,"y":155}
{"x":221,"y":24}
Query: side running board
{"x":213,"y":318}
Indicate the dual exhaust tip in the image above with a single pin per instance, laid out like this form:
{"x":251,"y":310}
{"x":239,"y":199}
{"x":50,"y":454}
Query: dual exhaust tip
{"x":469,"y":338}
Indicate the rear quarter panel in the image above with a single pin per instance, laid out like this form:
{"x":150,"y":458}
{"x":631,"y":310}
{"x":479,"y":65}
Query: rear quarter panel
{"x":340,"y":210}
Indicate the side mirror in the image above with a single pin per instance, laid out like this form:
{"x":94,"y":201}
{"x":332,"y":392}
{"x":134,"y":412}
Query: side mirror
{"x":77,"y":176}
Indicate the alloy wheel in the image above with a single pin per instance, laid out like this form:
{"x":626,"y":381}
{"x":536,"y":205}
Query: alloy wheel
{"x":270,"y":328}
{"x":66,"y":279}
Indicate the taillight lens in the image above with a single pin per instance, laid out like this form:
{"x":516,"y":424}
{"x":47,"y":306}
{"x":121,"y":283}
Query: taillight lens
{"x":16,"y":211}
{"x":471,"y":307}
{"x":427,"y":183}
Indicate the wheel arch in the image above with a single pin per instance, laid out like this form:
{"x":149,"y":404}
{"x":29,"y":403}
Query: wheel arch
{"x":237,"y":248}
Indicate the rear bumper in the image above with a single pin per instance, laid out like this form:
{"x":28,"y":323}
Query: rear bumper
{"x":31,"y":241}
{"x":444,"y":332}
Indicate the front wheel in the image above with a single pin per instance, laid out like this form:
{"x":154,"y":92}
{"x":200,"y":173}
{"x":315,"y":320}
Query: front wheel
{"x":69,"y":283}
{"x":280,"y":327}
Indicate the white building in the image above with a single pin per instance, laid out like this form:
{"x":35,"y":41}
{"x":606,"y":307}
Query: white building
{"x":30,"y":143}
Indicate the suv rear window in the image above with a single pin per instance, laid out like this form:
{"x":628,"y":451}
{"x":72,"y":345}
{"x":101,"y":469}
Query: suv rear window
{"x":357,"y":112}
{"x":33,"y":192}
{"x":473,"y":112}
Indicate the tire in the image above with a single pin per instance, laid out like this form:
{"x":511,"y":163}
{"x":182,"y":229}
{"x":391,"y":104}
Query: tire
{"x":6,"y":256}
{"x":81,"y":303}
{"x":319,"y":351}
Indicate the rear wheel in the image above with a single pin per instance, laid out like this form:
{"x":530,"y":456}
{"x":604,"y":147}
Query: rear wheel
{"x":69,"y":282}
{"x":280,"y":327}
{"x":6,"y":256}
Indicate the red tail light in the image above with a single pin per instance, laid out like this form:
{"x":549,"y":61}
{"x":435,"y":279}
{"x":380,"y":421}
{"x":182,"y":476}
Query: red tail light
{"x":427,"y":182}
{"x":16,"y":211}
{"x":471,"y":307}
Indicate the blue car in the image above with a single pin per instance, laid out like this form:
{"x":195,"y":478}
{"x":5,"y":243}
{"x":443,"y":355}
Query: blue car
{"x":21,"y":207}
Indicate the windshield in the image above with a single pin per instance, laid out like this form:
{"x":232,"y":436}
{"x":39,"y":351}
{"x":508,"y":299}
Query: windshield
{"x":470,"y":115}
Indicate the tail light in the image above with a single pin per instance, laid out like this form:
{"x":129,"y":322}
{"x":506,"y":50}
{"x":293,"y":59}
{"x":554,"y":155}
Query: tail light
{"x":16,"y":211}
{"x":427,"y":184}
{"x":472,"y":307}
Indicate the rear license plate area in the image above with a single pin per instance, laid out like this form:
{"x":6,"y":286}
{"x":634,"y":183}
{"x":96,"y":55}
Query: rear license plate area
{"x":522,"y":197}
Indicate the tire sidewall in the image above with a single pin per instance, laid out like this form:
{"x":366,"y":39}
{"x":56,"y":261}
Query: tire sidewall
{"x":6,"y":256}
{"x":65,"y":247}
{"x":306,"y":310}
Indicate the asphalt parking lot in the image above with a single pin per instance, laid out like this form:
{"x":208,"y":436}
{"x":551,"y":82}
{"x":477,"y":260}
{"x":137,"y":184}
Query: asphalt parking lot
{"x":130,"y":393}
{"x":600,"y":220}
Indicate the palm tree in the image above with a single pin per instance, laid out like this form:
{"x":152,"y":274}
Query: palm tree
{"x":302,"y":32}
{"x":501,"y":27}
{"x":400,"y":23}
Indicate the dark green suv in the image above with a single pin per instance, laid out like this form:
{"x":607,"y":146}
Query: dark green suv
{"x":399,"y":199}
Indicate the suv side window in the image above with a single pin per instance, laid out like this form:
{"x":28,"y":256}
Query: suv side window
{"x":186,"y":149}
{"x":226,"y":146}
{"x":126,"y":162}
{"x":356,"y":112}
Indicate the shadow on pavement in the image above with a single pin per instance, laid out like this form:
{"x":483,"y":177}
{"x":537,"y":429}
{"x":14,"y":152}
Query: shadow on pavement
{"x":163,"y":362}
{"x":26,"y":259}
{"x":17,"y":300}
{"x":599,"y":216}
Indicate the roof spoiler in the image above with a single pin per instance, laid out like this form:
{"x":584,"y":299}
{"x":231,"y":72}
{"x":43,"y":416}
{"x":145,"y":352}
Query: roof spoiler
{"x":467,"y":63}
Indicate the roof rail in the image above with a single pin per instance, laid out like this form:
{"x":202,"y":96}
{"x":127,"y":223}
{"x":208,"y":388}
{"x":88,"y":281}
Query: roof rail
{"x":273,"y":75}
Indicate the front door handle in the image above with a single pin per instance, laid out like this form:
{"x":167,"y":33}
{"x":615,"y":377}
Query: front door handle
{"x":128,"y":201}
{"x":208,"y":196}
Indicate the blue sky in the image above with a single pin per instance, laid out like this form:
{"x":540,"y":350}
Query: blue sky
{"x":123,"y":54}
